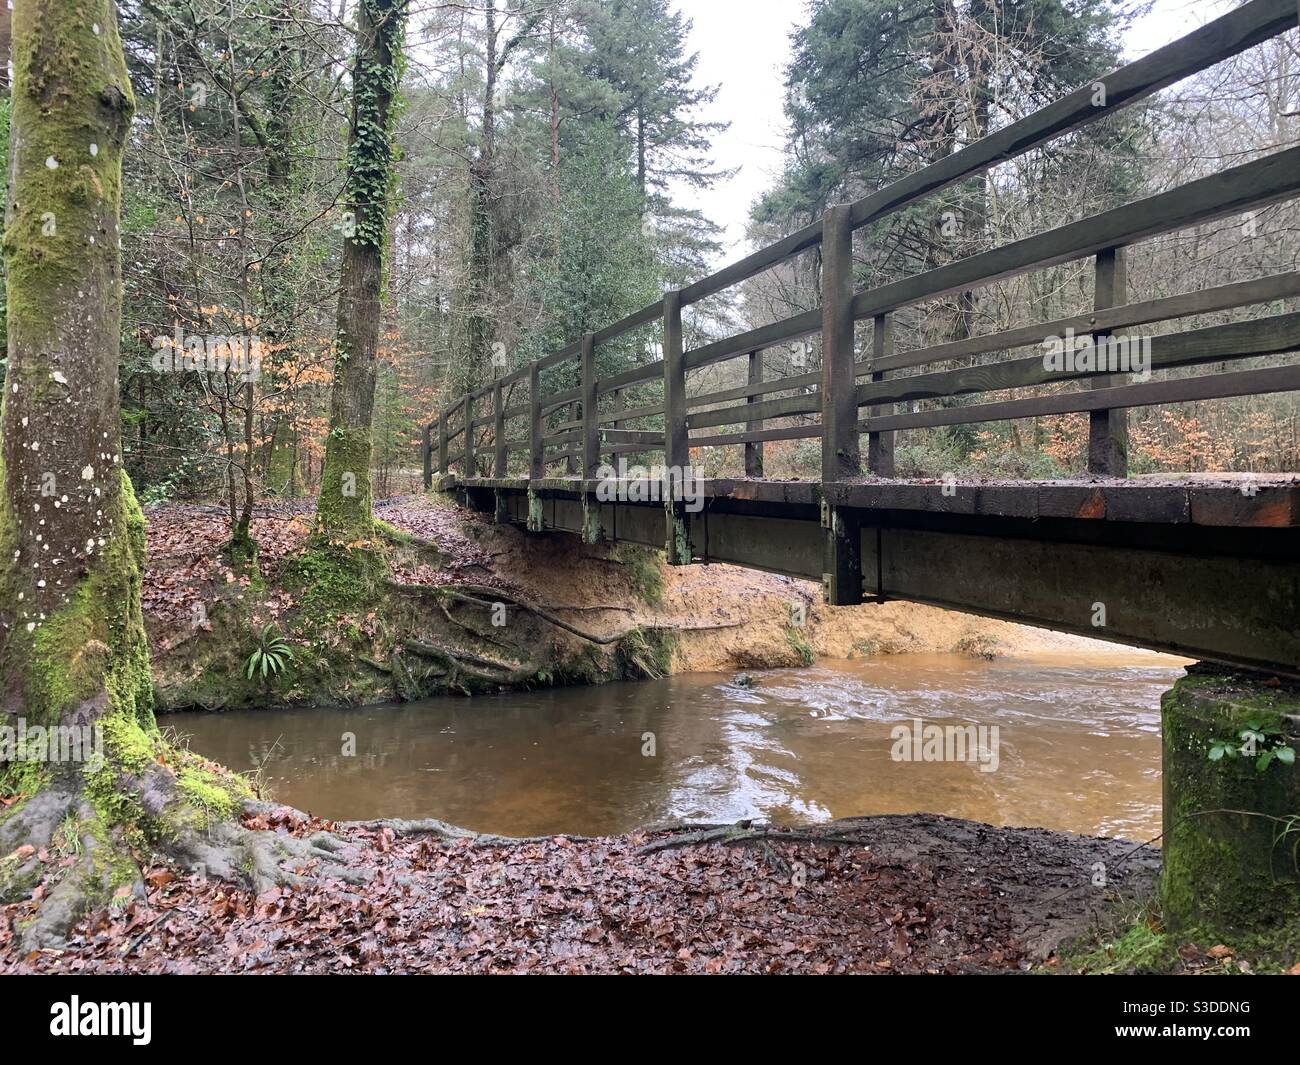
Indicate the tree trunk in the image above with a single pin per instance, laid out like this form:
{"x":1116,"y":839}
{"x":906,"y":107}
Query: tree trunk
{"x":72,"y":643}
{"x":344,"y":509}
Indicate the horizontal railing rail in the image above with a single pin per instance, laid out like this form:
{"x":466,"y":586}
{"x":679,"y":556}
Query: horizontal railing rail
{"x":568,"y":425}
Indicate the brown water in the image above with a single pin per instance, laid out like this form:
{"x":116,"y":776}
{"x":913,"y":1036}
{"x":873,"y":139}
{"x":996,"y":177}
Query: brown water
{"x":1079,"y":749}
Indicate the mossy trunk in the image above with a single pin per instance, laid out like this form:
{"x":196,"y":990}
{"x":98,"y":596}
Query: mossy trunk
{"x":344,"y":509}
{"x":1231,"y":826}
{"x":72,"y":641}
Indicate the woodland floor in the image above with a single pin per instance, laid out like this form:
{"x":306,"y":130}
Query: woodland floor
{"x":901,"y":894}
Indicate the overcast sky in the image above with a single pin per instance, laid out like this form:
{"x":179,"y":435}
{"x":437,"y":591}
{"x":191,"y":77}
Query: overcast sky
{"x":744,"y":47}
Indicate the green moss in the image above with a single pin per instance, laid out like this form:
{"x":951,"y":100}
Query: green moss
{"x":344,"y":507}
{"x":115,"y":806}
{"x":129,"y":745}
{"x":15,"y":883}
{"x":60,"y":63}
{"x":1143,"y":946}
{"x":96,"y":642}
{"x":217,"y":797}
{"x":1230,"y":841}
{"x":644,"y":569}
{"x":646,"y":653}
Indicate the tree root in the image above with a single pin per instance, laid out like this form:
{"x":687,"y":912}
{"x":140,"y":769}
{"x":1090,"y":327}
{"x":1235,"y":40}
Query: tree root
{"x":449,"y":833}
{"x":845,"y":830}
{"x":99,"y":866}
{"x":475,"y":593}
{"x":465,"y":665}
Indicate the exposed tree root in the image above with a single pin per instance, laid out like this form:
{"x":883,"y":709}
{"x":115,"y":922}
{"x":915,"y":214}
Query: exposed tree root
{"x":487,"y":596}
{"x":449,"y":833}
{"x":102,"y":863}
{"x":845,"y":830}
{"x":464,"y":665}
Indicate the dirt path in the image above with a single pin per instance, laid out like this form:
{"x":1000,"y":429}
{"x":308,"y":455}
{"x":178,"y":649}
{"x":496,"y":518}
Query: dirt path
{"x":907,"y":894}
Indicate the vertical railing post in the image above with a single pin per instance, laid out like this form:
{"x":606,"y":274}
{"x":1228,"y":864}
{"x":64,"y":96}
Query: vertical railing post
{"x":841,"y":459}
{"x":620,"y":405}
{"x":570,"y":457}
{"x":499,"y":453}
{"x":469,"y":467}
{"x":841,"y":456}
{"x":536,"y":450}
{"x":754,"y":451}
{"x":590,"y":439}
{"x":590,"y":426}
{"x":442,"y":443}
{"x":1108,"y":429}
{"x":426,"y":454}
{"x":880,"y":446}
{"x":677,"y":449}
{"x":536,"y":465}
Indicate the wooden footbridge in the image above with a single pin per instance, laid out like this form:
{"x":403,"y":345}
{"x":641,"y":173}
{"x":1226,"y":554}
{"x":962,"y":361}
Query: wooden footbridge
{"x":1205,"y":568}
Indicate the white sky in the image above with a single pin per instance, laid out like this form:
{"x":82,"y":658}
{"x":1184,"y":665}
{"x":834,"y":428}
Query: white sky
{"x":744,"y":46}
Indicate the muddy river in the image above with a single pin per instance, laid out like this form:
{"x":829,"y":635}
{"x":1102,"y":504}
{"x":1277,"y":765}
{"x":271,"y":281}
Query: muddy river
{"x":1067,"y":743}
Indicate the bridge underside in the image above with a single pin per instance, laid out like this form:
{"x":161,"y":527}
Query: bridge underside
{"x":1201,"y":569}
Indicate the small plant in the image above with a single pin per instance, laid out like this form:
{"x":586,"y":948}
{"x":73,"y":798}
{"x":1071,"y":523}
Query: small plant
{"x":70,"y":836}
{"x":800,"y":645}
{"x":1255,"y":741}
{"x":270,"y":657}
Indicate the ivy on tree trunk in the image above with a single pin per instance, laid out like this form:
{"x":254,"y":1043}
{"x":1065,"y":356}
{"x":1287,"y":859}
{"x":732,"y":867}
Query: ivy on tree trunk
{"x":344,"y":509}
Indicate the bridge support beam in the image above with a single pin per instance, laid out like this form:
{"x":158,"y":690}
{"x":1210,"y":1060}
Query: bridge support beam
{"x":592,"y":530}
{"x":842,"y":571}
{"x":1230,"y":854}
{"x":677,"y":447}
{"x":536,"y":513}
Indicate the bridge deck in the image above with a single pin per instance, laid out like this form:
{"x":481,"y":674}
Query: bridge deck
{"x":1205,"y":568}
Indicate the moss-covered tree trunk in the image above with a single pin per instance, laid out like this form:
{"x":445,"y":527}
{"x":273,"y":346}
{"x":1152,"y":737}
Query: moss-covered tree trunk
{"x":71,"y":534}
{"x":344,"y":509}
{"x":73,"y":652}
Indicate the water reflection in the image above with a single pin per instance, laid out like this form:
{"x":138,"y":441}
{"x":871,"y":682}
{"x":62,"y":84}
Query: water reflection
{"x":1079,"y":748}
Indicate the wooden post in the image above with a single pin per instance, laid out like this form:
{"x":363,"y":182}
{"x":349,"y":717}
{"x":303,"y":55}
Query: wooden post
{"x":499,"y":454}
{"x":677,"y":449}
{"x":570,"y":459}
{"x":426,"y":453}
{"x":841,"y":457}
{"x":536,"y":465}
{"x":590,"y":427}
{"x":754,"y":451}
{"x":470,"y":466}
{"x":880,"y":446}
{"x":442,"y":443}
{"x":1108,"y":429}
{"x":620,"y":405}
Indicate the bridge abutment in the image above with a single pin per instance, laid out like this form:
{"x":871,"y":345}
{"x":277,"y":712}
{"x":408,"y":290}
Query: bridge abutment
{"x":1231,"y":803}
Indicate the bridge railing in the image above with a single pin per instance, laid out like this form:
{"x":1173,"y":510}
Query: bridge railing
{"x":569,"y":425}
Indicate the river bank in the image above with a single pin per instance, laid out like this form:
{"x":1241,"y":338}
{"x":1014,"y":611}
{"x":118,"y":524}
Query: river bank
{"x":463,"y":605}
{"x":901,"y":894}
